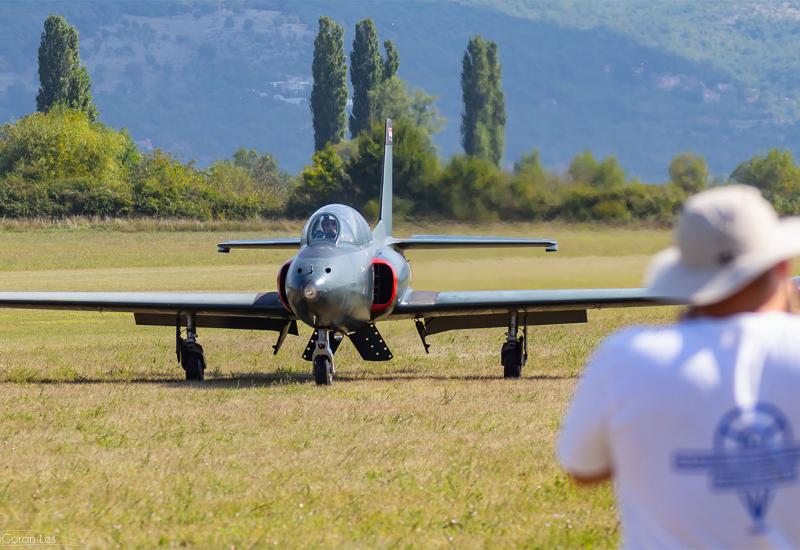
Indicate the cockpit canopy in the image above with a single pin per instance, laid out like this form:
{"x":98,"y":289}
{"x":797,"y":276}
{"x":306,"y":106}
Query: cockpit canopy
{"x":336,"y":223}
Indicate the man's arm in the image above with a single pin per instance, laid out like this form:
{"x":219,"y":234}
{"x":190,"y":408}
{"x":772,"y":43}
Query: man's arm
{"x":594,"y":479}
{"x":584,"y":449}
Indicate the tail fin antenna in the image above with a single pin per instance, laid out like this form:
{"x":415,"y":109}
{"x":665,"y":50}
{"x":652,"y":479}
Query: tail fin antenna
{"x":385,"y":219}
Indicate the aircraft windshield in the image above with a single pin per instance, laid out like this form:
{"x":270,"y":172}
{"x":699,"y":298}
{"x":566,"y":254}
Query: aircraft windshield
{"x":325,"y":228}
{"x":336,"y":223}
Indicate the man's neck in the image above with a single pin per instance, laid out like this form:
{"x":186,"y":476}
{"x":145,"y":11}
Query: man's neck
{"x":749,"y":300}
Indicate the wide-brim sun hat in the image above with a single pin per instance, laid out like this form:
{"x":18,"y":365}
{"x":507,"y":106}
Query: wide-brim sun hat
{"x":725,"y":238}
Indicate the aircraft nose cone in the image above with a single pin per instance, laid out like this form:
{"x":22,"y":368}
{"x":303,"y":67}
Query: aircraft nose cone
{"x":310,"y":297}
{"x":326,"y":288}
{"x":310,"y":292}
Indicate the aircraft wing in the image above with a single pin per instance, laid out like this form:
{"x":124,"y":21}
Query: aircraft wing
{"x":452,"y":310}
{"x":242,"y":310}
{"x":282,"y":243}
{"x":419,"y":302}
{"x":455,"y":241}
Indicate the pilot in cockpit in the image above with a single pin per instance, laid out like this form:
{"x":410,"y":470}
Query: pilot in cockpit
{"x":328,"y":228}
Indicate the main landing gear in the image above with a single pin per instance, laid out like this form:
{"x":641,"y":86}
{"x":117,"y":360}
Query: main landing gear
{"x":514,"y":353}
{"x":322,"y":358}
{"x":189,"y":352}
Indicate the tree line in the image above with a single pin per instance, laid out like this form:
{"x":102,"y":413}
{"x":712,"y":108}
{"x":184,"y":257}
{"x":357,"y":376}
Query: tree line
{"x":376,"y":89}
{"x":62,"y":161}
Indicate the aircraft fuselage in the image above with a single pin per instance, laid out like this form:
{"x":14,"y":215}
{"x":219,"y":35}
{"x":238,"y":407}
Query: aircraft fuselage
{"x":344,"y":286}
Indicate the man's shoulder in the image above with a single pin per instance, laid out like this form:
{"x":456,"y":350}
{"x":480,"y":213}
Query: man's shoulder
{"x":776,"y":331}
{"x":663,"y":343}
{"x":641,"y":340}
{"x":769,"y":322}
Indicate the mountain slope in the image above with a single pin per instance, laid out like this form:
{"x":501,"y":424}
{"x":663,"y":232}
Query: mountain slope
{"x":204,"y":79}
{"x":755,"y":42}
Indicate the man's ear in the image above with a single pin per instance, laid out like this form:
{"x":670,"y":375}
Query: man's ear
{"x":783,"y":272}
{"x":783,"y":269}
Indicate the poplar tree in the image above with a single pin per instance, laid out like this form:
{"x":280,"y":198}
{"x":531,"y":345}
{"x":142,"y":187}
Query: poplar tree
{"x":392,"y":61}
{"x":366,"y":74}
{"x":329,"y":93}
{"x":62,"y":77}
{"x":483,"y":121}
{"x":497,"y":106}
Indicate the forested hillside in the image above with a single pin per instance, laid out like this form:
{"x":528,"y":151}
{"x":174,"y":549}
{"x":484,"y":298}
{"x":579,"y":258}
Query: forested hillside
{"x":642,"y":81}
{"x":755,"y":42}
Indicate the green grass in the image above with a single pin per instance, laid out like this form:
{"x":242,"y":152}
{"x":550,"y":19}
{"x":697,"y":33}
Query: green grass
{"x":103,"y":442}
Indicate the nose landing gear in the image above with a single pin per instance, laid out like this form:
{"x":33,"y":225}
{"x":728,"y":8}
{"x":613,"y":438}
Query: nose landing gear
{"x":322,"y":358}
{"x":189,"y":352}
{"x":514,"y":353}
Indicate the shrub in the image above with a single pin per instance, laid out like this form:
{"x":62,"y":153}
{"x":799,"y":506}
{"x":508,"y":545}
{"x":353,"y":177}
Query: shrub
{"x":23,"y":199}
{"x":471,"y":189}
{"x":776,"y":175}
{"x":165,"y":188}
{"x":63,"y":144}
{"x":87,"y":197}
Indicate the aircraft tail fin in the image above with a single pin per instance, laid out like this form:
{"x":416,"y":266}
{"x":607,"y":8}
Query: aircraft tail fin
{"x":385,"y":219}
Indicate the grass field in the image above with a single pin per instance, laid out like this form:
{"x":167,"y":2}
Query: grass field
{"x":105,"y":445}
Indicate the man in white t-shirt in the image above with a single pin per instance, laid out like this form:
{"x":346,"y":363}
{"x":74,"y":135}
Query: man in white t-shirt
{"x":698,"y":422}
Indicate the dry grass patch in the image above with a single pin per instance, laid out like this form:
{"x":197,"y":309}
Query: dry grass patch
{"x":104,"y":443}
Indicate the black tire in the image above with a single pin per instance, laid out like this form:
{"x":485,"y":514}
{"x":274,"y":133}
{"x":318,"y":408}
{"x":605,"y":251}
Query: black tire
{"x":511,"y":358}
{"x":193,"y":362}
{"x":323,"y":371}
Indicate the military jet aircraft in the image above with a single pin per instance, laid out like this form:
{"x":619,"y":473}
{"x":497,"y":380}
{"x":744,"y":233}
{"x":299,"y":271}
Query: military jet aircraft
{"x":344,"y":278}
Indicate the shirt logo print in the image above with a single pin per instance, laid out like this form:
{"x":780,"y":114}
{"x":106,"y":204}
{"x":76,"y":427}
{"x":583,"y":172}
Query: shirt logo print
{"x":753,"y":453}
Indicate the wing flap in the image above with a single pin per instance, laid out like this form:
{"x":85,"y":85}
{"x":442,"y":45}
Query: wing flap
{"x":436,"y":325}
{"x":217,"y":321}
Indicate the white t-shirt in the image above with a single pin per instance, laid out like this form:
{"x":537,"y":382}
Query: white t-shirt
{"x":695,"y":420}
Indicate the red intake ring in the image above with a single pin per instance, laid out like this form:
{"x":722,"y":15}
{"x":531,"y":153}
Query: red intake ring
{"x":282,"y":272}
{"x":380,"y":307}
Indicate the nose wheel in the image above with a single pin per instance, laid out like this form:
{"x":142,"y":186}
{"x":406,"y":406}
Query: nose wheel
{"x":323,"y":371}
{"x":322,"y":358}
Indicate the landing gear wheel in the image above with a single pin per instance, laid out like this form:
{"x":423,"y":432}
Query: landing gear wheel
{"x":323,"y":370}
{"x":192,"y":361}
{"x":512,"y":358}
